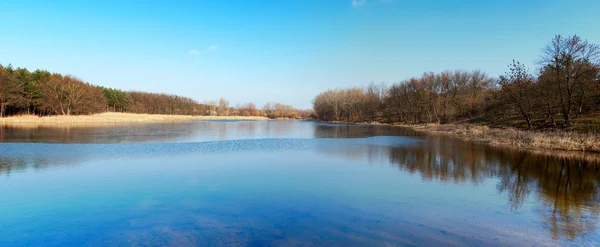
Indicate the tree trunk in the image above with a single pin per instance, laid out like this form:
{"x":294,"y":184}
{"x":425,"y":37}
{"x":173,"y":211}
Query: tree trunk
{"x":552,"y":119}
{"x":527,"y":118}
{"x":566,"y":117}
{"x":580,"y":107}
{"x":550,"y":114}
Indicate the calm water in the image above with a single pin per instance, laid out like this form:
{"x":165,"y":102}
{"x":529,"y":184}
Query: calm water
{"x":286,"y":183}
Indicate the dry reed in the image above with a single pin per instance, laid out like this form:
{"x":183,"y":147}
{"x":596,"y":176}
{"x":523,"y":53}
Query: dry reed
{"x":111,"y":118}
{"x":541,"y":140}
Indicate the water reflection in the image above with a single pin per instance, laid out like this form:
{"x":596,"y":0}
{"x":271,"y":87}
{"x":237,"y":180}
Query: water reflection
{"x":566,"y":186}
{"x":14,"y":163}
{"x":562,"y":190}
{"x":7,"y":165}
{"x":190,"y":131}
{"x":106,"y":133}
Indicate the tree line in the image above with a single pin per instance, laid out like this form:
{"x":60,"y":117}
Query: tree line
{"x":43,"y":93}
{"x":566,"y":86}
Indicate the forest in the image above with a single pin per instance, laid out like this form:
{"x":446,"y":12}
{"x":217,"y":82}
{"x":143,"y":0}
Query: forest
{"x":564,"y":93}
{"x":43,"y":93}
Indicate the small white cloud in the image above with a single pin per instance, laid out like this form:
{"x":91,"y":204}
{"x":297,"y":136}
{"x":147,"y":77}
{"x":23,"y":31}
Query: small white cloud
{"x":358,"y":3}
{"x":194,"y":52}
{"x":213,"y":48}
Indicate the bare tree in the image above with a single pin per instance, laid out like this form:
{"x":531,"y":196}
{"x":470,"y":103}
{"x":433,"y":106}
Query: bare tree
{"x":223,"y":108}
{"x":429,"y":98}
{"x":373,"y":100}
{"x":334,"y":99}
{"x":517,"y":84}
{"x":479,"y":83}
{"x":570,"y":60}
{"x":547,"y":89}
{"x":352,"y":99}
{"x":248,"y":109}
{"x":66,"y":95}
{"x":54,"y":93}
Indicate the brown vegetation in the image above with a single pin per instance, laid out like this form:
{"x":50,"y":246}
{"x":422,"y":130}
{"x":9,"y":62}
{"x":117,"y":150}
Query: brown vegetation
{"x":566,"y":185}
{"x":43,"y":93}
{"x":350,"y":105}
{"x":511,"y":137}
{"x":563,"y":100}
{"x":564,"y":94}
{"x":280,"y":111}
{"x":66,"y":94}
{"x":109,"y":118}
{"x":567,"y":85}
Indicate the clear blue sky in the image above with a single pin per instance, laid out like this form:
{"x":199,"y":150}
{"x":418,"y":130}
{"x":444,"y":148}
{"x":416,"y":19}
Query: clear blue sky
{"x":285,"y":51}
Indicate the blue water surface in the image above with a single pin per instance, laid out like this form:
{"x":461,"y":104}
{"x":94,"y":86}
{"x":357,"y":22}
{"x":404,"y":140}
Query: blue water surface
{"x":286,"y":183}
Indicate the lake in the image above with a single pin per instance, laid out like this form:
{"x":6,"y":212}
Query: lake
{"x":287,"y":183}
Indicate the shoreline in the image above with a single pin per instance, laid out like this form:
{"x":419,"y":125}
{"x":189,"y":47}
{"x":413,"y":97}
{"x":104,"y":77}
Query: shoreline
{"x":556,"y":140}
{"x":108,"y":118}
{"x":501,"y":137}
{"x":552,"y":140}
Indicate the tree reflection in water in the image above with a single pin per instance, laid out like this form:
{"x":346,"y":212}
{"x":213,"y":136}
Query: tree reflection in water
{"x":565,"y":184}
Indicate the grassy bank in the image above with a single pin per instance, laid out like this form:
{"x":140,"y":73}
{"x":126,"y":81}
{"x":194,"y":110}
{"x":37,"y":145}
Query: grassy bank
{"x":511,"y":137}
{"x":111,"y":118}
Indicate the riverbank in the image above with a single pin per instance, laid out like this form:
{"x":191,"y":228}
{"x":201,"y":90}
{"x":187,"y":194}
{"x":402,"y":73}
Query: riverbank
{"x":511,"y":137}
{"x":110,"y":118}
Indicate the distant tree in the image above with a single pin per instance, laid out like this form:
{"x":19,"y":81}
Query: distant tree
{"x":67,"y":94}
{"x":10,"y":89}
{"x":329,"y":105}
{"x":429,"y":98}
{"x":155,"y":103}
{"x":74,"y":93}
{"x":268,"y":109}
{"x":518,"y":85}
{"x":223,"y":108}
{"x":548,"y":95}
{"x":373,"y":100}
{"x":572,"y":63}
{"x":33,"y":94}
{"x":248,"y":109}
{"x":212,"y":106}
{"x":479,"y":83}
{"x":117,"y":100}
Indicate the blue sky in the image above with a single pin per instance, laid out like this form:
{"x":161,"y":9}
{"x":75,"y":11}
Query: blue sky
{"x":285,"y":51}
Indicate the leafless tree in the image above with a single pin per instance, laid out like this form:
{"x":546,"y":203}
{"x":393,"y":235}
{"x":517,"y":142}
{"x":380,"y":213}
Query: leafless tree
{"x":572,"y":62}
{"x":517,"y":84}
{"x":223,"y":108}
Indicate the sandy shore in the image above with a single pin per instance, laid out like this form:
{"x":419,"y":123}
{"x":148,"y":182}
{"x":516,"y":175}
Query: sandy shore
{"x":110,"y":118}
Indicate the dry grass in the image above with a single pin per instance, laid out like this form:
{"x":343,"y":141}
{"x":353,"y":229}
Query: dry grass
{"x":110,"y":118}
{"x":541,"y":140}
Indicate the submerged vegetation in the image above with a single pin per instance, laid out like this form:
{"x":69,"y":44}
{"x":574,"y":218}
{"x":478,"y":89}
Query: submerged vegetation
{"x":42,"y":93}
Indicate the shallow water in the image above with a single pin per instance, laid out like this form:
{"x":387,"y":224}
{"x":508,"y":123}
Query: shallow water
{"x":286,"y":183}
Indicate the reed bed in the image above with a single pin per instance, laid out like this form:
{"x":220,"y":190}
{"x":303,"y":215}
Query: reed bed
{"x":111,"y":118}
{"x":528,"y":139}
